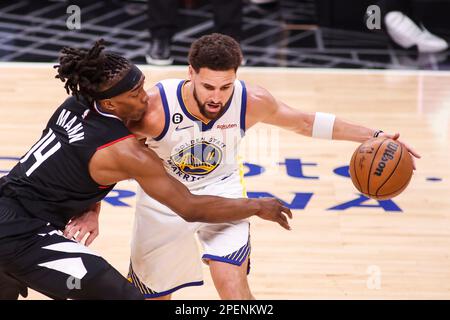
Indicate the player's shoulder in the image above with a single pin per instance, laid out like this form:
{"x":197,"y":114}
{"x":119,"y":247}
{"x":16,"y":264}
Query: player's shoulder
{"x":164,"y":87}
{"x":169,"y":83}
{"x":257,"y":94}
{"x":128,"y":156}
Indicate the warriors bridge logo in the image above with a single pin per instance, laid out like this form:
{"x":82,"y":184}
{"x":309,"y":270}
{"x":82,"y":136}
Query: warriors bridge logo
{"x":198,"y":159}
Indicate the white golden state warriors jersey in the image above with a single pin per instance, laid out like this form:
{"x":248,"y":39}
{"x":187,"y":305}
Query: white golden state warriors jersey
{"x":194,"y":152}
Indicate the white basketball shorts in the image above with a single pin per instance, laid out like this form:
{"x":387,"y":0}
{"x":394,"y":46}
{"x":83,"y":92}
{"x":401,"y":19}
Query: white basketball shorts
{"x":165,"y":255}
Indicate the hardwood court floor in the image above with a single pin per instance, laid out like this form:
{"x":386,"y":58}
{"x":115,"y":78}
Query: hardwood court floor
{"x":358,"y":253}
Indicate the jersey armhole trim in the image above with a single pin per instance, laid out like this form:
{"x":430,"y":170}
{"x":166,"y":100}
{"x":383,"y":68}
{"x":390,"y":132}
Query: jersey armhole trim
{"x":166,"y":111}
{"x":243,"y":107}
{"x":115,"y":141}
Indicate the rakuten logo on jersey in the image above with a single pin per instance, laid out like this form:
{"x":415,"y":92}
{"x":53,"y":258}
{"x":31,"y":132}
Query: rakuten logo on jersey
{"x":226,"y":126}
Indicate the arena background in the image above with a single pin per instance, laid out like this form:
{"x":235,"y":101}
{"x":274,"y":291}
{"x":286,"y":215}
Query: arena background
{"x":315,"y":56}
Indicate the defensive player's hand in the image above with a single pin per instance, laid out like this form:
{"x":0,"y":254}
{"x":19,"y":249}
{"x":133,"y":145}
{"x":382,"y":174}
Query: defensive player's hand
{"x":409,"y":148}
{"x":86,"y":224}
{"x":273,"y":210}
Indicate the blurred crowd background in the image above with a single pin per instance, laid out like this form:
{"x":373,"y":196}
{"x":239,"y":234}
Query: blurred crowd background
{"x":379,"y":34}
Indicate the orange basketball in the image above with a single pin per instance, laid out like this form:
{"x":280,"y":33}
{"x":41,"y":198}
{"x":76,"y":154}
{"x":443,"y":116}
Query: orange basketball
{"x":381,"y":168}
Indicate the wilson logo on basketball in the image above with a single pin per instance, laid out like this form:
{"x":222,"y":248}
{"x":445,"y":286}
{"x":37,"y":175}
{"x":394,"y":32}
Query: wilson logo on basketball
{"x":388,"y":154}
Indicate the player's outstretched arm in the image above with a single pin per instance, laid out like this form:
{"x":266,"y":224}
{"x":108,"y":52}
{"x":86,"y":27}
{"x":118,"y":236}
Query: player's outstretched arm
{"x":128,"y":159}
{"x":263,"y":107}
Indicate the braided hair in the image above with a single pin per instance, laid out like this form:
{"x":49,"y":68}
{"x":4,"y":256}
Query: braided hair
{"x":84,"y":71}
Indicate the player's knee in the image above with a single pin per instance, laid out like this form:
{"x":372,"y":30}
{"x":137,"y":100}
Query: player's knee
{"x":233,"y":288}
{"x":233,"y":292}
{"x":9,"y":293}
{"x":10,"y":288}
{"x":117,"y":287}
{"x":108,"y":285}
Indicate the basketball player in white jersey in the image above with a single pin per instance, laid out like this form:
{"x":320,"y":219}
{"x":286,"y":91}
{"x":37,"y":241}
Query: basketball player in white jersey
{"x":195,"y":127}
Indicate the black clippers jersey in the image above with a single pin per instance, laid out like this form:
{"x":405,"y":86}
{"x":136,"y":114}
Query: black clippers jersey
{"x":52,"y":180}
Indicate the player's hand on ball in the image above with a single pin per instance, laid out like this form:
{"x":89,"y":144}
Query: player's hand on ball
{"x":410,"y":149}
{"x":273,"y":210}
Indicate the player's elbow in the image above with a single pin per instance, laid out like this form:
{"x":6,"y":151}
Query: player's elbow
{"x":197,"y":208}
{"x":189,"y":216}
{"x":190,"y":212}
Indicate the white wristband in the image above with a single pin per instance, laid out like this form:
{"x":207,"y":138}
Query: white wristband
{"x":323,"y":125}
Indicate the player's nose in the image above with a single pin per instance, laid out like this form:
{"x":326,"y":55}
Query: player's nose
{"x":216,"y":97}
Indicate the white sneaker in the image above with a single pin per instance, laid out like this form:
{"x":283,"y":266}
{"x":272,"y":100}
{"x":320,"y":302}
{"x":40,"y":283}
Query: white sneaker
{"x":433,"y":43}
{"x":406,"y":34}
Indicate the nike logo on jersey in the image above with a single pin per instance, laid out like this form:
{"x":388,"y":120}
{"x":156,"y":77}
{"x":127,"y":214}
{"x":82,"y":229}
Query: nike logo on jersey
{"x":187,"y":127}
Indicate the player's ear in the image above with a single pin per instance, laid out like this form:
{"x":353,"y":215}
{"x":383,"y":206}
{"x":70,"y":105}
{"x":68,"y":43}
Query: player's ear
{"x":107,"y":105}
{"x":191,"y":73}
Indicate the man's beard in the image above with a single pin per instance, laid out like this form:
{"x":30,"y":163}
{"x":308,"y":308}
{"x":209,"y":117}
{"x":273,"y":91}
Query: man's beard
{"x":204,"y":112}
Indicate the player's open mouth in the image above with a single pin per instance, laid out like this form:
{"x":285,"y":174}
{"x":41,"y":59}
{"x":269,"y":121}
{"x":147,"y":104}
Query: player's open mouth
{"x":212,"y":107}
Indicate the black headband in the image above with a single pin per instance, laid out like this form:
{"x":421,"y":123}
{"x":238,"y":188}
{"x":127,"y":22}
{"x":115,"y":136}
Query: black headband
{"x":128,"y":82}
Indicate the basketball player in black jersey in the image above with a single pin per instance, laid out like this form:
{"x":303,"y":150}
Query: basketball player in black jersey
{"x":83,"y":151}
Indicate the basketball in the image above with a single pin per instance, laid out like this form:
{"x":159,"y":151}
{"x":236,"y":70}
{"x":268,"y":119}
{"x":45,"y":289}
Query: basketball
{"x":381,"y":168}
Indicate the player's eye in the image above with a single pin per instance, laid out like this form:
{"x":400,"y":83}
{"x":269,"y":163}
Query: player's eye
{"x":137,"y":93}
